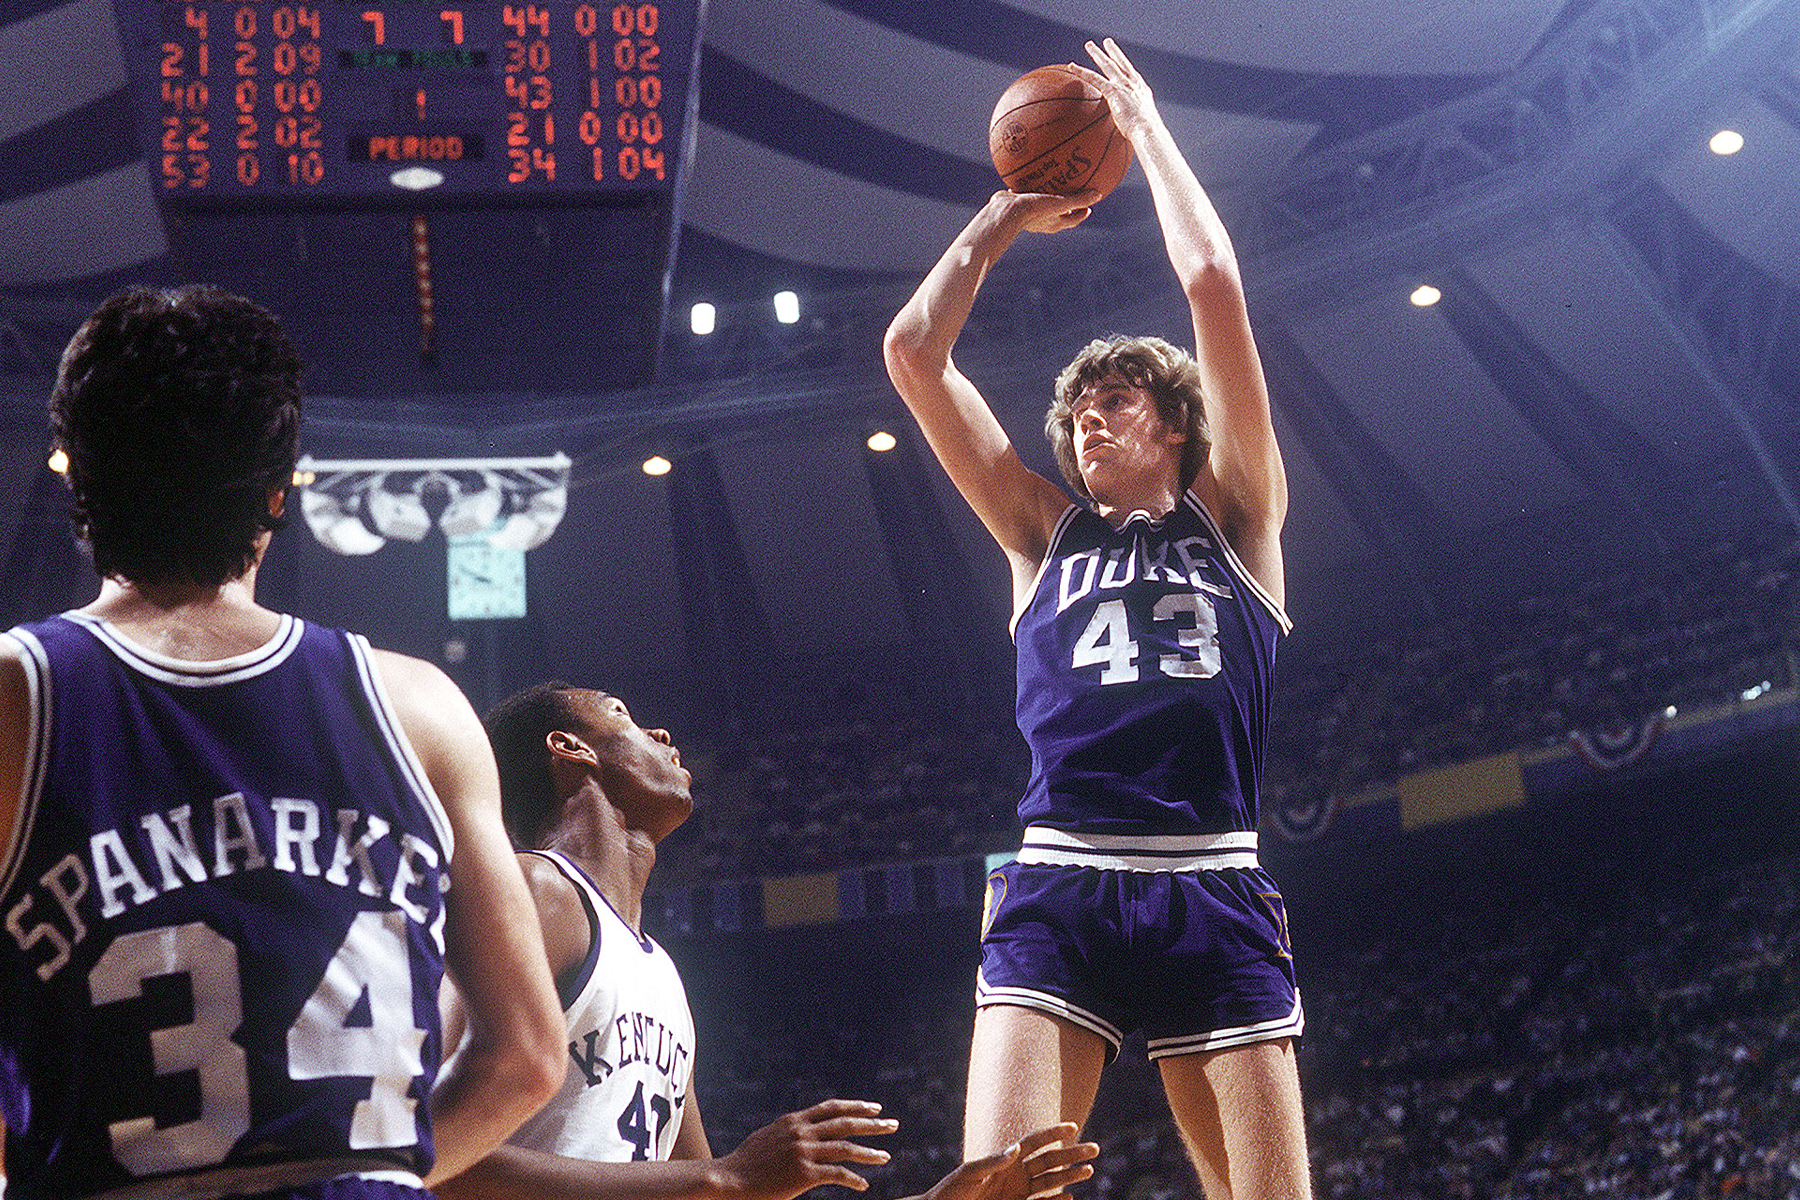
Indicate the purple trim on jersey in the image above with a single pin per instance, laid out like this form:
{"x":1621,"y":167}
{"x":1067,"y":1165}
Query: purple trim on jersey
{"x":573,"y":981}
{"x":1145,"y":660}
{"x":243,"y":858}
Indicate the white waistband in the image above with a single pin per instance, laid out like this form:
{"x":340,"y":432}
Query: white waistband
{"x":1045,"y":846}
{"x":249,"y":1181}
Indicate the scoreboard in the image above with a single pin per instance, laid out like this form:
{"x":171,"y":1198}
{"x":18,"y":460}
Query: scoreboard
{"x":355,"y":100}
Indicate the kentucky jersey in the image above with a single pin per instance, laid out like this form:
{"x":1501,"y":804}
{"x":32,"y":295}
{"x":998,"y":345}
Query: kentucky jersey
{"x":224,"y":921}
{"x":1145,"y":656}
{"x":631,"y":1045}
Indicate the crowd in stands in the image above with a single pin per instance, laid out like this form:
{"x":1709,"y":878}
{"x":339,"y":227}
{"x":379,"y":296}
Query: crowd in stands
{"x":872,"y":783}
{"x":1606,"y":651}
{"x":1606,"y":1032}
{"x":1647,"y":1050}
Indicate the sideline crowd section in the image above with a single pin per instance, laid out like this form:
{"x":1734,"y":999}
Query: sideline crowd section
{"x":1595,"y":993}
{"x":864,"y":778}
{"x":1537,"y":1014}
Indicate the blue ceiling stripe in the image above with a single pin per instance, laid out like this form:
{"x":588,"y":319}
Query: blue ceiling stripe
{"x":739,"y":100}
{"x":95,"y":138}
{"x":19,"y":10}
{"x":1341,"y":105}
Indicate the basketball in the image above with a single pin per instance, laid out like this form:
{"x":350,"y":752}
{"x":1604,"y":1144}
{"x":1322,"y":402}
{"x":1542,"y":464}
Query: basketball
{"x":1052,"y":132}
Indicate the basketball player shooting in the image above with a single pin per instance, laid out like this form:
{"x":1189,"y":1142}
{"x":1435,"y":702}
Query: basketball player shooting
{"x":595,"y":793}
{"x":1146,"y":621}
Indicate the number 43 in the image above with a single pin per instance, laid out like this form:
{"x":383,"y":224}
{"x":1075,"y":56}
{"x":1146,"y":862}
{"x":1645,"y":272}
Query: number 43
{"x":1107,"y":640}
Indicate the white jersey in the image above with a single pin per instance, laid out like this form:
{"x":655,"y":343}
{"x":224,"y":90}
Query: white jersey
{"x":631,"y":1045}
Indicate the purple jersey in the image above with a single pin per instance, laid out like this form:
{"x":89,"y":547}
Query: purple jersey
{"x":1145,"y":656}
{"x":224,"y":907}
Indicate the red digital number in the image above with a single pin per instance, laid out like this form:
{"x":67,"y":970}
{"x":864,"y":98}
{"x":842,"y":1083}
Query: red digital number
{"x":522,"y":20}
{"x":628,"y":19}
{"x":308,"y":168}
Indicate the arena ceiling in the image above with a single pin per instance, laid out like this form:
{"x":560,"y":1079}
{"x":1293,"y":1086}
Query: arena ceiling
{"x":1613,"y":360}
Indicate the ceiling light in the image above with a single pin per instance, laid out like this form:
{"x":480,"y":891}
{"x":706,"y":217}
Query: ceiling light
{"x":473,"y":511}
{"x":529,"y":529}
{"x":337,"y":526}
{"x":1424,"y":296}
{"x":416,"y":179}
{"x":703,"y":318}
{"x":397,"y":514}
{"x":656,"y":464}
{"x":353,"y":506}
{"x":881,"y":441}
{"x":787,"y":307}
{"x":1726,"y":141}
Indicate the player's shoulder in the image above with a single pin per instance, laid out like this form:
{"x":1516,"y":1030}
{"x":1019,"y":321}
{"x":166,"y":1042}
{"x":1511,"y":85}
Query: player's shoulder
{"x":432,"y":709}
{"x":562,"y":912}
{"x":419,"y":690}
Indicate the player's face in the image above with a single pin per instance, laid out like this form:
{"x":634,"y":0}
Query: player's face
{"x":640,"y":769}
{"x":1120,"y":438}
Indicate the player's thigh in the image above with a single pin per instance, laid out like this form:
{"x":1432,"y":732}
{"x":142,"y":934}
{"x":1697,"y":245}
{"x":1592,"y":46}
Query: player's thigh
{"x":1239,"y":1110}
{"x":1027,"y":1069}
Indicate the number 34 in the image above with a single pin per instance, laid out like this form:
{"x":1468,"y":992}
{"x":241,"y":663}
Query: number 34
{"x":322,"y":1043}
{"x":1107,"y":639}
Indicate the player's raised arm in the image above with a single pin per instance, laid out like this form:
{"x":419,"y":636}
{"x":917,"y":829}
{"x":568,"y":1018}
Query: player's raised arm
{"x":513,"y":1058}
{"x":1017,"y":505}
{"x":1244,"y":471}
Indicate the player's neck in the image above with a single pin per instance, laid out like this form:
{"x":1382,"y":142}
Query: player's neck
{"x":616,"y":858}
{"x":1156,"y":502}
{"x":1117,"y":494}
{"x":197,"y":622}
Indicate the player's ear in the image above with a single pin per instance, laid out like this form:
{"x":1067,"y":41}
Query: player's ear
{"x":566,"y":746}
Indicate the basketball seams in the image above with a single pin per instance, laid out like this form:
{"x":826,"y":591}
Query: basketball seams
{"x":1049,"y":151}
{"x":1052,"y":131}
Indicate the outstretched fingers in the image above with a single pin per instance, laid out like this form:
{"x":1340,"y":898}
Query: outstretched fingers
{"x":1040,"y":1164}
{"x":834,"y":1124}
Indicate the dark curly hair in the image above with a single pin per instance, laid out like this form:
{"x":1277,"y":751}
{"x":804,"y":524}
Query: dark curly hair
{"x":1161,"y":368}
{"x":179,"y":410}
{"x":517,"y":728}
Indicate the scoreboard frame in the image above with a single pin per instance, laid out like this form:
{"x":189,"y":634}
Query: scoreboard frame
{"x":419,"y":102}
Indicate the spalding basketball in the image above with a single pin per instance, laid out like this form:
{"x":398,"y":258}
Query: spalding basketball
{"x":1052,"y":132}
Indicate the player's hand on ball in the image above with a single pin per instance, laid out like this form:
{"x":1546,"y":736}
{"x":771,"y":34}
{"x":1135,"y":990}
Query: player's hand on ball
{"x":1044,"y":212}
{"x":1127,"y":95}
{"x":802,"y":1150}
{"x":1040,"y":1164}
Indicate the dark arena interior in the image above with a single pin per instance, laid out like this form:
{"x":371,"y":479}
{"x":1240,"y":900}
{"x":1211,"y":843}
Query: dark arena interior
{"x":1525,"y":279}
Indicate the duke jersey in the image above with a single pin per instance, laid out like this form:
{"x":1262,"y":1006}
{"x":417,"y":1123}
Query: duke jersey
{"x":631,"y":1044}
{"x":1145,"y":656}
{"x":224,"y":914}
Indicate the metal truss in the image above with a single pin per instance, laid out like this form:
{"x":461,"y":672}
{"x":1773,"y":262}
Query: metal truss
{"x":1737,"y":325}
{"x":1582,"y":116}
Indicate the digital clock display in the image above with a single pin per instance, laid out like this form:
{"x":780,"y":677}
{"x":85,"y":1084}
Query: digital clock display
{"x":356,"y":99}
